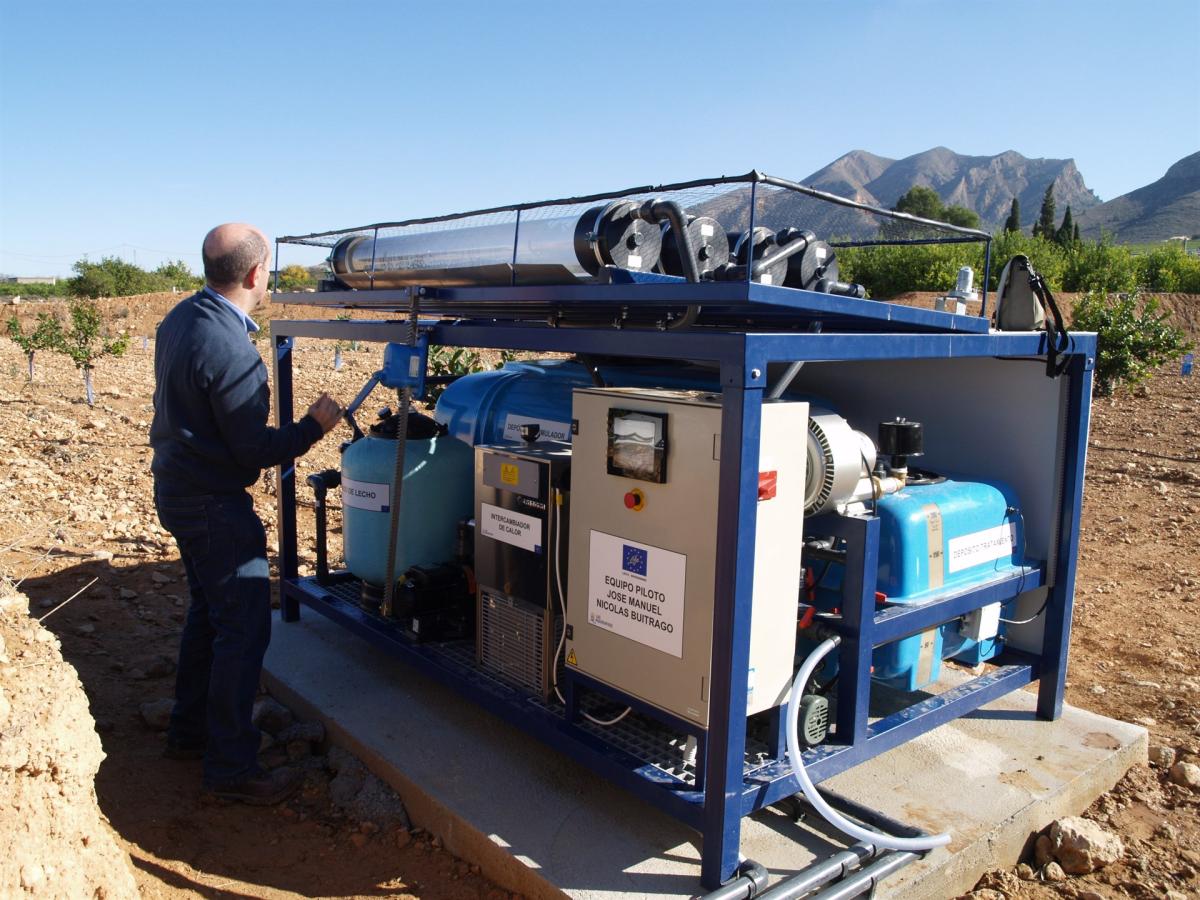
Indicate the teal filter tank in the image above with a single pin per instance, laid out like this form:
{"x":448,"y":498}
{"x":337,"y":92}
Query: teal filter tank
{"x":439,"y":477}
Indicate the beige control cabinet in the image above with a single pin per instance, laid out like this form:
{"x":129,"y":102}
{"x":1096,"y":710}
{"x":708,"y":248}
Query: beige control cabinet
{"x":644,"y":479}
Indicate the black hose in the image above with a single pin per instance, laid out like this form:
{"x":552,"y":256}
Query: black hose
{"x":749,"y":882}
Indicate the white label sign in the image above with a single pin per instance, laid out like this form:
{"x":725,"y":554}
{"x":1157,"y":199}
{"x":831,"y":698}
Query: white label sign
{"x":548,"y":430}
{"x":981,"y":546}
{"x":636,"y":591}
{"x":511,"y":527}
{"x":365,"y":495}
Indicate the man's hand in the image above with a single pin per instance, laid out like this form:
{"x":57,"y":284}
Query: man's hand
{"x":326,"y":411}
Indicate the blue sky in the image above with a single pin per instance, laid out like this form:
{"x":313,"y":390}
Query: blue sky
{"x":130,"y":128}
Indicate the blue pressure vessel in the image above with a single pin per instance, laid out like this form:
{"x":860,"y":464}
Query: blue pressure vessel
{"x":438,"y":493}
{"x":489,"y":407}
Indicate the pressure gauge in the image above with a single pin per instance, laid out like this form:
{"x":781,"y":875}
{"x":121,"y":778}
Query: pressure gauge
{"x":637,"y":445}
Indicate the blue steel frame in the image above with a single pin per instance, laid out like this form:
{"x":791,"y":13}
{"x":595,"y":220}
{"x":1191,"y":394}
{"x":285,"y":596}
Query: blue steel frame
{"x":724,"y":791}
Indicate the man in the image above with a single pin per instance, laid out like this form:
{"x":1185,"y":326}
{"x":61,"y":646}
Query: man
{"x":211,"y":441}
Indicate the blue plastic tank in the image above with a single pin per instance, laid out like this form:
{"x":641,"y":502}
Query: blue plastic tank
{"x":439,"y":479}
{"x":981,"y":541}
{"x":489,"y":407}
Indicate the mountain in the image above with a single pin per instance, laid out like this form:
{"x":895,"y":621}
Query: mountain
{"x":985,"y":184}
{"x":1164,"y":209}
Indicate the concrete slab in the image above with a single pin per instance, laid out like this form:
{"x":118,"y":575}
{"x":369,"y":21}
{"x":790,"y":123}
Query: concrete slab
{"x":538,"y":823}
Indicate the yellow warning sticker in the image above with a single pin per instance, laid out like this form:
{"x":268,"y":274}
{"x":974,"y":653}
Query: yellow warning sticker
{"x":571,"y":660}
{"x":510,"y":473}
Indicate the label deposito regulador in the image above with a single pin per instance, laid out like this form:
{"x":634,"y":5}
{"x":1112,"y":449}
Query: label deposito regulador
{"x":637,"y":591}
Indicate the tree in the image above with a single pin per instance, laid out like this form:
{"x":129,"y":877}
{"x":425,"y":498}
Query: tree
{"x":1075,"y":234}
{"x":960,"y":216}
{"x":88,"y":340}
{"x":1065,"y":236}
{"x":46,"y":335}
{"x":176,"y":275}
{"x":1013,"y":222}
{"x":1044,"y":226}
{"x":921,"y":201}
{"x":295,"y":278}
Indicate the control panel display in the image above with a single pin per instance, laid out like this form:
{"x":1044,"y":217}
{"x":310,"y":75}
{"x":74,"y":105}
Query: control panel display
{"x":637,"y":445}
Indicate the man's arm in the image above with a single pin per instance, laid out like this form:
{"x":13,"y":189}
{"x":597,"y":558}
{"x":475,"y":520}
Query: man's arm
{"x":241,"y":403}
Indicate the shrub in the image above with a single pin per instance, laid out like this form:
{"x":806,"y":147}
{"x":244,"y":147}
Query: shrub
{"x":1100,"y":266}
{"x":1168,"y":269}
{"x":450,"y":361}
{"x":1134,"y":337}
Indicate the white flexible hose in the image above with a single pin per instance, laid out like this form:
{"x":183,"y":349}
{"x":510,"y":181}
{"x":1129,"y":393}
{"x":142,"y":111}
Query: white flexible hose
{"x":828,"y":813}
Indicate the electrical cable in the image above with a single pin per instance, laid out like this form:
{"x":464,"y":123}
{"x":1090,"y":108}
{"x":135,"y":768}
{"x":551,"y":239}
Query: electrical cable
{"x":562,"y":605}
{"x":827,"y":812}
{"x":1021,"y":585}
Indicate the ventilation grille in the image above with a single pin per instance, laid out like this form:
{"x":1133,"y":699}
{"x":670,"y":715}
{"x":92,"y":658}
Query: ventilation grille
{"x":511,"y":641}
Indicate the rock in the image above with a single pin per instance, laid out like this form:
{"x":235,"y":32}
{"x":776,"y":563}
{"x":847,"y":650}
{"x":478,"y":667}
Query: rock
{"x":1043,"y":850}
{"x":157,"y":713}
{"x":160,"y":666}
{"x":346,"y":785}
{"x":1163,"y":757}
{"x":265,"y":742}
{"x":1025,"y":872}
{"x":32,"y":876}
{"x":85,"y":629}
{"x":312,"y":732}
{"x":1082,"y":846}
{"x":5,"y":708}
{"x":403,"y":838}
{"x":160,"y":578}
{"x":1052,"y":871}
{"x":298,"y":750}
{"x":137,"y":674}
{"x":270,"y":715}
{"x":358,"y":839}
{"x":1186,"y":774}
{"x":1000,"y":880}
{"x":105,"y":555}
{"x":1089,"y":895}
{"x":128,"y":594}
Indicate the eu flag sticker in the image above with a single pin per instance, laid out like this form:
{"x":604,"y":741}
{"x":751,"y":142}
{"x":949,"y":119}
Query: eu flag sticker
{"x":633,"y":559}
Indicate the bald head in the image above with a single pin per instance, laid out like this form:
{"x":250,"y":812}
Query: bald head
{"x":230,"y":251}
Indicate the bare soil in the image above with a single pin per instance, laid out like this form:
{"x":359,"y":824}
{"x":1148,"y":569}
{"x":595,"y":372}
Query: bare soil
{"x":76,"y":505}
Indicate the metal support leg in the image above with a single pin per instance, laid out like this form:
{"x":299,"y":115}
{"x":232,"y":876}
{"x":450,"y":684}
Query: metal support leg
{"x":858,"y":614}
{"x":1056,"y":636}
{"x":285,"y":482}
{"x":736,"y":512}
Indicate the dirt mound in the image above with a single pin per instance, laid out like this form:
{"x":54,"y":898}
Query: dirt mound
{"x":54,"y":841}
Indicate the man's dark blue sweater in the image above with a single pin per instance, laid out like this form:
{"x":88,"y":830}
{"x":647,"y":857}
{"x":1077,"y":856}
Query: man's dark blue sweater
{"x":211,"y":403}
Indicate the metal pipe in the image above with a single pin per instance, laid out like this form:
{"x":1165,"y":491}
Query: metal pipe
{"x":868,"y":879}
{"x":832,"y":868}
{"x":317,"y":482}
{"x":389,"y":587}
{"x":785,"y":380}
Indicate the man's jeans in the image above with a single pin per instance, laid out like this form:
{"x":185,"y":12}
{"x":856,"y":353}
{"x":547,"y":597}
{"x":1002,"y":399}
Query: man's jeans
{"x":228,"y":626}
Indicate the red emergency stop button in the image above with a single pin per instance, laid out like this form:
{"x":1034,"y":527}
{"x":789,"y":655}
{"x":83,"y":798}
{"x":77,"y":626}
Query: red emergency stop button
{"x":635,"y":500}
